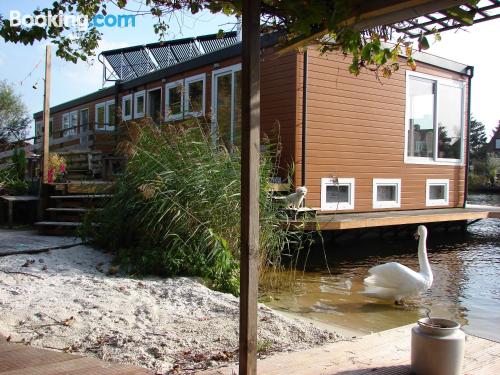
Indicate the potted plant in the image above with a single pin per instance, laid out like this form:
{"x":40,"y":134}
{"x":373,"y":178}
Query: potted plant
{"x":57,"y":168}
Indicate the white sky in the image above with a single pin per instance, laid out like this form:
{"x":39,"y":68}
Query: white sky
{"x":478,"y":46}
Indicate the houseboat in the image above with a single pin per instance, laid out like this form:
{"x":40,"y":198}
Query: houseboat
{"x":358,"y":143}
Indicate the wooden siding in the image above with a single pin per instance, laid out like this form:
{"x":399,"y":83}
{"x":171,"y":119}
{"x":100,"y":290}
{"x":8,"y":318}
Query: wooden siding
{"x":278,"y":100}
{"x":356,"y":129}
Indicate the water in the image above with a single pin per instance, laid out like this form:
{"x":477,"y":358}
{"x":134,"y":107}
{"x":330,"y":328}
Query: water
{"x":466,"y":285}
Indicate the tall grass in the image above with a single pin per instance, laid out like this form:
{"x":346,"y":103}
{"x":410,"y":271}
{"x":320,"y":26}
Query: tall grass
{"x":176,"y":210}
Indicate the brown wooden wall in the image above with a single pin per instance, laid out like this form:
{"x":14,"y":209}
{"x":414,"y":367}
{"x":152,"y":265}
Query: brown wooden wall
{"x":278,"y":99}
{"x":356,"y":129}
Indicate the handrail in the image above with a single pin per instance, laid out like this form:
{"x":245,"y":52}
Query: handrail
{"x":59,"y":137}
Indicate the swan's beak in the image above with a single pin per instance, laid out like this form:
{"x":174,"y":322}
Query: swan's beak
{"x":416,"y":235}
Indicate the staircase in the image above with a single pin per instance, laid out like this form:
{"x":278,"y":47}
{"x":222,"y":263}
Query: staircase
{"x":69,"y":201}
{"x":68,"y":204}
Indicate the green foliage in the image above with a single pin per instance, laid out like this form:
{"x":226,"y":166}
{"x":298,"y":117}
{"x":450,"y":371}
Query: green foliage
{"x":303,"y":22}
{"x":14,"y":117}
{"x":478,"y":141}
{"x":176,"y":210}
{"x":20,"y":163}
{"x":10,"y":184}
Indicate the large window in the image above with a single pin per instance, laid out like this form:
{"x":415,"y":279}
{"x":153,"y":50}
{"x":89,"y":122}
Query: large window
{"x":194,"y":100}
{"x":386,"y":192}
{"x":434,"y":120}
{"x":139,"y":104}
{"x":105,"y":115}
{"x":185,"y":98}
{"x":337,"y":194}
{"x":226,"y":106}
{"x":127,"y":107}
{"x":174,"y":100}
{"x":69,"y":123}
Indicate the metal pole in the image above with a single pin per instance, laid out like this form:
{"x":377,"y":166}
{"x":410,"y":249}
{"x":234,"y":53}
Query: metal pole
{"x":250,"y":185}
{"x":46,"y":115}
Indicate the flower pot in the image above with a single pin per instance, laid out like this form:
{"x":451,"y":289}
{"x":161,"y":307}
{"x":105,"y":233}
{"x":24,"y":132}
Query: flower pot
{"x":437,"y":347}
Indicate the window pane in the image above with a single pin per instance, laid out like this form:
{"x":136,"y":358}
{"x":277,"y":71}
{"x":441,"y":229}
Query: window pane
{"x":436,"y":192}
{"x":497,"y":144}
{"x":140,"y":104}
{"x":195,"y":103}
{"x":450,"y":122}
{"x":421,"y":130}
{"x":386,"y":193}
{"x":111,"y":114}
{"x":73,"y":122}
{"x":237,"y":108}
{"x":175,"y":100}
{"x":338,"y":194}
{"x":128,"y":107}
{"x":84,"y":117}
{"x":100,"y":117}
{"x":223,"y":114}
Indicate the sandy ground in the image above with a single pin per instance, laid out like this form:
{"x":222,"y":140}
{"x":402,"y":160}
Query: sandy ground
{"x":67,"y":300}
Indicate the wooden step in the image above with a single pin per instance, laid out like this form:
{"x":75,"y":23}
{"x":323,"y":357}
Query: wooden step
{"x":70,"y":224}
{"x":68,"y":210}
{"x":78,"y":196}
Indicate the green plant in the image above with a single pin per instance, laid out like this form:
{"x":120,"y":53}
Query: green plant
{"x":176,"y":210}
{"x":16,"y":187}
{"x":20,"y":163}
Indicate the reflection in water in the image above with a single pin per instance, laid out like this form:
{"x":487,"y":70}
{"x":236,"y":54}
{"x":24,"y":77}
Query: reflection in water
{"x":466,"y":282}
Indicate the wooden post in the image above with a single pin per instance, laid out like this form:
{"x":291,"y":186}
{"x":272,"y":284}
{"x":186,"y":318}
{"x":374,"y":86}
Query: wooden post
{"x":46,"y":115}
{"x":250,"y":159}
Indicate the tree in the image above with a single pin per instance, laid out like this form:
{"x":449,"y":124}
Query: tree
{"x":14,"y":117}
{"x":478,"y":140}
{"x":301,"y":22}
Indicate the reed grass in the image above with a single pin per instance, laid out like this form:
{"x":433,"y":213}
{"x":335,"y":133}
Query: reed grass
{"x":176,"y":209}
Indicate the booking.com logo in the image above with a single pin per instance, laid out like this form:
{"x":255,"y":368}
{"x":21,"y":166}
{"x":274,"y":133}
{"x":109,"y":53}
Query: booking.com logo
{"x":70,"y":20}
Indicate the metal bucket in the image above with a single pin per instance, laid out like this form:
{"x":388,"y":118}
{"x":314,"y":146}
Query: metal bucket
{"x":437,"y":347}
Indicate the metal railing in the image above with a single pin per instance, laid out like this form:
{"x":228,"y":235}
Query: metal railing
{"x":62,"y":138}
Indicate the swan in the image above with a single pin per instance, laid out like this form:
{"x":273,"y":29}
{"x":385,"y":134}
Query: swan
{"x":394,"y":281}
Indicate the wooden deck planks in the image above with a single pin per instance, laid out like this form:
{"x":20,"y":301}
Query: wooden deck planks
{"x":16,"y":359}
{"x":342,"y":221}
{"x":384,"y":353}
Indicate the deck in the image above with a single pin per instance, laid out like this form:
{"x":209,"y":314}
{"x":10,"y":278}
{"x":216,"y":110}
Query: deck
{"x":384,"y":353}
{"x":343,"y":221}
{"x":17,"y":359}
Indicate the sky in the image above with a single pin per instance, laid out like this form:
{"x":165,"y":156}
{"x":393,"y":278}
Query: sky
{"x":23,"y":66}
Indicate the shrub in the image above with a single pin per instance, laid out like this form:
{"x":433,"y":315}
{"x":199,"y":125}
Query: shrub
{"x":20,"y":163}
{"x":176,"y":209}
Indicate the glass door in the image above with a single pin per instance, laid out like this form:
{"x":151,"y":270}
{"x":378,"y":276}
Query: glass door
{"x":226,"y":120}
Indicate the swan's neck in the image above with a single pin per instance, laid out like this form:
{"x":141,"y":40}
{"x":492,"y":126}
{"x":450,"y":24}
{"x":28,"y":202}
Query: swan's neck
{"x":425,"y":267}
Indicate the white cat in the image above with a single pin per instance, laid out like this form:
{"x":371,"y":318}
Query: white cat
{"x":294,"y":200}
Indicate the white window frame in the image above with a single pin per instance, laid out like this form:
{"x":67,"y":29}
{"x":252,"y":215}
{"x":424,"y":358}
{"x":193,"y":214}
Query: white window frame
{"x":161,"y":99}
{"x":438,"y":82}
{"x":385,"y":182}
{"x":226,"y":70}
{"x":106,"y":126}
{"x":137,"y":95}
{"x":331,"y":206}
{"x":169,"y":86}
{"x":124,"y":99}
{"x":437,"y":202}
{"x":67,"y":125}
{"x":187,"y":81}
{"x":106,"y":115}
{"x":97,"y":125}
